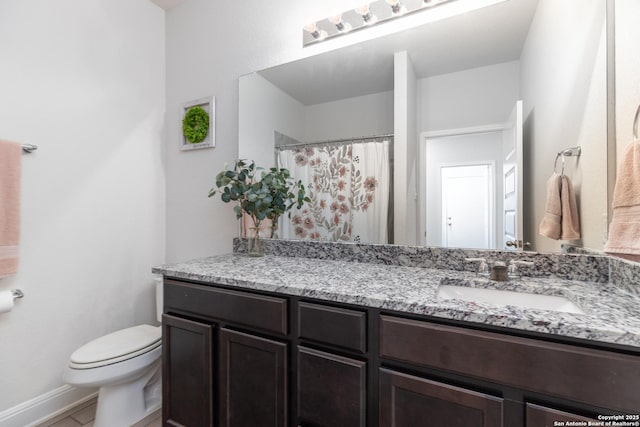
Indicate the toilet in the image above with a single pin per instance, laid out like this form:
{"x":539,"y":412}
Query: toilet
{"x":125,"y":365}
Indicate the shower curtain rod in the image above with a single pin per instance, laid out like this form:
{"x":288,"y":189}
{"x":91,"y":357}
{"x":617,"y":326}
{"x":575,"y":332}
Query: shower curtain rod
{"x":334,"y":141}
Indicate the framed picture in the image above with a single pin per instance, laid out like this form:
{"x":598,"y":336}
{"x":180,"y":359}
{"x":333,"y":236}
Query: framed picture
{"x":198,"y":124}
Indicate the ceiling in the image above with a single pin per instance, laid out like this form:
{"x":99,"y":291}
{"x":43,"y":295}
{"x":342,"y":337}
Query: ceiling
{"x":486,"y":36}
{"x":168,"y":4}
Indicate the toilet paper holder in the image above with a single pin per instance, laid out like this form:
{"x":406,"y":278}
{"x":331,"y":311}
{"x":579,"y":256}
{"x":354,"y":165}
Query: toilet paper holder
{"x":17,"y":293}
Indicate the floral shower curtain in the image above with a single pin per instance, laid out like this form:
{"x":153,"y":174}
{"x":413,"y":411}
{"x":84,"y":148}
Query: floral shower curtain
{"x":348,"y":184}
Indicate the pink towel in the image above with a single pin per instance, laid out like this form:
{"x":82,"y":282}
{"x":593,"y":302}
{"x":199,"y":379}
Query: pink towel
{"x":560,"y":221}
{"x":570,"y":219}
{"x":551,"y":225}
{"x":10,"y":171}
{"x":624,"y":231}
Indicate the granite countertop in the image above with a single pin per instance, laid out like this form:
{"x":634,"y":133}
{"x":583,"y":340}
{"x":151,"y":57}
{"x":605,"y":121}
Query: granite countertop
{"x":611,"y":314}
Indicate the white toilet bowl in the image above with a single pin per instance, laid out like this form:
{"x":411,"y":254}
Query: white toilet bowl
{"x":125,"y":365}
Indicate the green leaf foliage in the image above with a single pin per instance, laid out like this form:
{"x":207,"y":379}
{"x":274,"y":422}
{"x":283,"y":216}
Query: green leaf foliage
{"x":259,"y":193}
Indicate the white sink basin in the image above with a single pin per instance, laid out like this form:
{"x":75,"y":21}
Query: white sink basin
{"x":500,"y":297}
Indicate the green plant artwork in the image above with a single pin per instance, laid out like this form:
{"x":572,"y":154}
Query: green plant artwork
{"x":195,"y":124}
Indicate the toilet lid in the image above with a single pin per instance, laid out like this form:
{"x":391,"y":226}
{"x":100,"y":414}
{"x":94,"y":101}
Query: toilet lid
{"x":117,"y":346}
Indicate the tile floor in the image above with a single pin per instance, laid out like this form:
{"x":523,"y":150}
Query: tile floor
{"x":83,"y":415}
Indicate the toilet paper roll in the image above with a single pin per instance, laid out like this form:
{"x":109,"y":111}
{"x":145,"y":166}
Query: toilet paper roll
{"x":6,"y":301}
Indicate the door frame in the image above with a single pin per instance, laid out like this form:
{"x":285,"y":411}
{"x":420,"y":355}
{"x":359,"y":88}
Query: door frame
{"x":492,"y":196}
{"x":424,"y":139}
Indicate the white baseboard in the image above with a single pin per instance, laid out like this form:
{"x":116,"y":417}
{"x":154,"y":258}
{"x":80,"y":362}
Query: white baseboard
{"x":45,"y":406}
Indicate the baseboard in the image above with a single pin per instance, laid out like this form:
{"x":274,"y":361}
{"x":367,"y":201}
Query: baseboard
{"x":45,"y":406}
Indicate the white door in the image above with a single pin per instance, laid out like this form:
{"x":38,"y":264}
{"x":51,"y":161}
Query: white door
{"x":467,"y":206}
{"x":513,"y":181}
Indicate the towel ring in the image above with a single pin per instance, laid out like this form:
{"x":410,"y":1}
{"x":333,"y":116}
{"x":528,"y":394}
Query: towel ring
{"x":555,"y":163}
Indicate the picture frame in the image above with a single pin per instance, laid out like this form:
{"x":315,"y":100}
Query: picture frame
{"x":209,"y":105}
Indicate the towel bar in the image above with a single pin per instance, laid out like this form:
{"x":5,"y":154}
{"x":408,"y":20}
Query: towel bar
{"x":29,"y":148}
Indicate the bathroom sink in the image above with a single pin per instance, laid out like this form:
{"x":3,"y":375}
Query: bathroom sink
{"x":500,"y":297}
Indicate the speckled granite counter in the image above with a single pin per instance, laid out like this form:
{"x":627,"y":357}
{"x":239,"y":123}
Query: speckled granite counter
{"x":612,"y":314}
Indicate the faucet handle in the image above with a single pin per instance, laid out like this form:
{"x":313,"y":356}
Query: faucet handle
{"x":514,"y":264}
{"x":483,"y":268}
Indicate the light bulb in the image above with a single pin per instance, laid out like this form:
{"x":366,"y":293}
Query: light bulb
{"x":368,"y":17}
{"x":362,"y":10}
{"x":397,"y":8}
{"x":342,"y":26}
{"x":312,"y":29}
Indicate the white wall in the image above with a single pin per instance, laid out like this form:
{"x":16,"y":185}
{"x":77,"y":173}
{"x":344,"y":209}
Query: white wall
{"x":476,"y":97}
{"x":263,"y":109}
{"x":564,"y":94}
{"x":366,"y":115}
{"x":83,"y":80}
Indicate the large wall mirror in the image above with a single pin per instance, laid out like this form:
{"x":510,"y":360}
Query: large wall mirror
{"x":479,"y":103}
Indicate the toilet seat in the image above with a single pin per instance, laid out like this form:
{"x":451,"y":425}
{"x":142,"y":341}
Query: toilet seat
{"x":116,"y":347}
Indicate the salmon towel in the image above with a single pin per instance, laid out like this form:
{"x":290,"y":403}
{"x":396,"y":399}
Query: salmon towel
{"x":560,"y":221}
{"x":551,"y":225}
{"x":10,"y":172}
{"x":624,"y":230}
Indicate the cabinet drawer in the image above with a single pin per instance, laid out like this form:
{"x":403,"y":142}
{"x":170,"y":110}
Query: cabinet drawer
{"x":596,"y":377}
{"x":331,"y":325}
{"x":242,"y":308}
{"x":537,"y":415}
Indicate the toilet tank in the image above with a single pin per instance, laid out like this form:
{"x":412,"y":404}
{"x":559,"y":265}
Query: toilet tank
{"x":159,"y":298}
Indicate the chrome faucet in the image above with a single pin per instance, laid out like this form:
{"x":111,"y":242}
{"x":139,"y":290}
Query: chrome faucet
{"x":499,"y":271}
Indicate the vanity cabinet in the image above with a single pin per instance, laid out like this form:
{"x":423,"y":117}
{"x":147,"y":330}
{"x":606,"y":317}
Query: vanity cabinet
{"x":591,"y":380}
{"x":242,"y":357}
{"x":224,"y":357}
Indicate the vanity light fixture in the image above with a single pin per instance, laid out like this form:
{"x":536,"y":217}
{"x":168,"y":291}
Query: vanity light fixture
{"x":377,"y":11}
{"x":339,"y":23}
{"x":371,"y":12}
{"x":318,"y":35}
{"x":368,"y":18}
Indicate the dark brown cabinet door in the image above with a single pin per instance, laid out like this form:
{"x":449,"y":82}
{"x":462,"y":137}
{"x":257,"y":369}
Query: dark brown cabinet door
{"x":408,"y":401}
{"x":253,"y":381}
{"x":540,"y":416}
{"x":187,"y":373}
{"x":331,"y":390}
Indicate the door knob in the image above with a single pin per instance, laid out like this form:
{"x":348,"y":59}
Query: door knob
{"x":510,"y":243}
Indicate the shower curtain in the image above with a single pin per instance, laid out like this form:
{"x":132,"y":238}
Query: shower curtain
{"x":348,"y":184}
